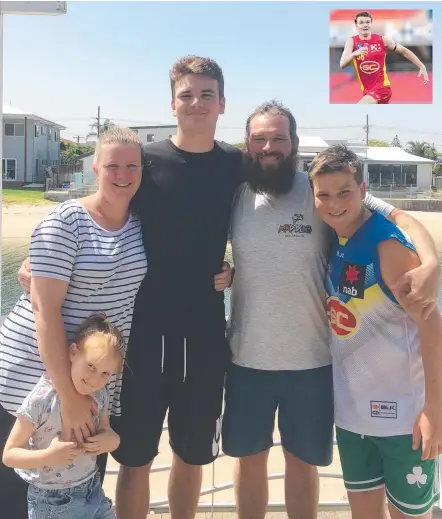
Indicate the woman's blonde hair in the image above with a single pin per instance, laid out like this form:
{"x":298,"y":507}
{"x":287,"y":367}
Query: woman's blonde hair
{"x":117,"y":135}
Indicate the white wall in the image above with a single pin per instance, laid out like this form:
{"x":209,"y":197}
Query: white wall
{"x":160,"y":133}
{"x":424,"y":176}
{"x":88,"y":172}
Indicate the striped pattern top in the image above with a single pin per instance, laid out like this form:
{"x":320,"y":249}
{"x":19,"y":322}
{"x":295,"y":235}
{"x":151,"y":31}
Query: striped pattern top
{"x":104,"y":270}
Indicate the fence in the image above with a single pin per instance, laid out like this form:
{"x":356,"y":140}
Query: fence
{"x":409,"y":192}
{"x":161,"y":506}
{"x":57,"y":176}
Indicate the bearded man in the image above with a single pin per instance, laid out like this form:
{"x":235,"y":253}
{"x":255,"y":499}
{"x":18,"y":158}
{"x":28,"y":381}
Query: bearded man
{"x":278,"y":328}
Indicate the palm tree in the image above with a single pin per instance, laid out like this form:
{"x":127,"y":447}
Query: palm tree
{"x":422,"y":149}
{"x":104,"y":126}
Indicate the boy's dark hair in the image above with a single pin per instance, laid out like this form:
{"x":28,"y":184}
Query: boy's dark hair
{"x":273,"y":107}
{"x":98,"y":323}
{"x":337,"y":159}
{"x":363,"y":14}
{"x":198,"y":66}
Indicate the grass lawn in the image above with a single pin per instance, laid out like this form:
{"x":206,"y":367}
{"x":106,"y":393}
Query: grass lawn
{"x":24,"y":196}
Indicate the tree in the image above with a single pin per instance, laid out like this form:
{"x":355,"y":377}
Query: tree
{"x":104,"y":126}
{"x":395,"y":143}
{"x":69,"y":151}
{"x":376,"y":143}
{"x":422,"y":149}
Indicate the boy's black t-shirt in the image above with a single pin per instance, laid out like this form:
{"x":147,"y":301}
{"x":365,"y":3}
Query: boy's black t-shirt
{"x":184,"y":204}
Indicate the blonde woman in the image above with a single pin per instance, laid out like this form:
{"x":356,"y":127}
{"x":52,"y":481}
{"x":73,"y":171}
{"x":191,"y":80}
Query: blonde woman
{"x":86,"y":256}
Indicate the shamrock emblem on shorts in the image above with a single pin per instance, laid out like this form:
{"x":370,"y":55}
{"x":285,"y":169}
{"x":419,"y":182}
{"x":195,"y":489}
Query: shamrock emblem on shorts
{"x":417,"y":477}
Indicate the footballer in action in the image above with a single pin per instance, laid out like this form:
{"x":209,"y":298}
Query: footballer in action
{"x":368,"y":53}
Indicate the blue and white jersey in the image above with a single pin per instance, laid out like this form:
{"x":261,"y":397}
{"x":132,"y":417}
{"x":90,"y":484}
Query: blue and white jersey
{"x":377,"y":365}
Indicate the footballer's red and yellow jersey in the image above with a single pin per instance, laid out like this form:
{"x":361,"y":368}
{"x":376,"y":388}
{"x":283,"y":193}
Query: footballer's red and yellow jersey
{"x":371,"y":69}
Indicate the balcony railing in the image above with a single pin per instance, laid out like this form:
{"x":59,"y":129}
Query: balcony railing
{"x":161,"y":506}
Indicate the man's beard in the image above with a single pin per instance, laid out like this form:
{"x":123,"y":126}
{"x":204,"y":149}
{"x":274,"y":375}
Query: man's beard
{"x":272,"y":179}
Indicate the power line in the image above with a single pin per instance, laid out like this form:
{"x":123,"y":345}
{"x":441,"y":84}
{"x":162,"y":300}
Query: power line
{"x":406,"y":130}
{"x":241,"y":128}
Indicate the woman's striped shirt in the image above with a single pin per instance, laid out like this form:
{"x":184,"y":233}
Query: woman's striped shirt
{"x":104,"y":270}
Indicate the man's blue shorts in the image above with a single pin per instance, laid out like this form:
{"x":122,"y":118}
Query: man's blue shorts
{"x":304,"y":400}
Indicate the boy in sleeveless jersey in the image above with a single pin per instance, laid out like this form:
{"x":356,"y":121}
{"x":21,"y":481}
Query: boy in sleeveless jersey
{"x":368,"y":52}
{"x":386,"y":357}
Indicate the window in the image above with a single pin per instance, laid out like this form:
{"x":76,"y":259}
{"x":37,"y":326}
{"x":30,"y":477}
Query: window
{"x":36,"y":130}
{"x":9,"y":170}
{"x":49,"y":132}
{"x":55,"y":162}
{"x":410,"y":174}
{"x":55,"y":136}
{"x":386,"y":175}
{"x":14,"y":130}
{"x":150,"y":137}
{"x":374,"y":174}
{"x":9,"y":130}
{"x":398,"y":175}
{"x":43,"y":161}
{"x":43,"y":130}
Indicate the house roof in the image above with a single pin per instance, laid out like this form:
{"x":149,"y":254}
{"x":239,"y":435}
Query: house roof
{"x":16,"y":113}
{"x":392,"y":154}
{"x":85,"y":155}
{"x":312,"y":141}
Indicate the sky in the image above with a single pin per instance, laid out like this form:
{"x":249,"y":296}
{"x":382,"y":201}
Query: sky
{"x":117,"y":55}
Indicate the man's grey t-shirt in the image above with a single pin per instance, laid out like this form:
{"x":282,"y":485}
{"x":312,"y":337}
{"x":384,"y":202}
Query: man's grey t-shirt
{"x":42,"y":408}
{"x":278,"y":317}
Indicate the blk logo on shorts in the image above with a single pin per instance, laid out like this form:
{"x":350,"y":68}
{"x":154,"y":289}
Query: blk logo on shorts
{"x":352,"y":280}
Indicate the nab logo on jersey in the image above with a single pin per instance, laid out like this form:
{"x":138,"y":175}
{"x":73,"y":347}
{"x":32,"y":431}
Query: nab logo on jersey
{"x":370,"y":67}
{"x":352,"y":280}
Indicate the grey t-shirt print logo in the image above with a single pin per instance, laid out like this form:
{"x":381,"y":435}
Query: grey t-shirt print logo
{"x":296,"y":228}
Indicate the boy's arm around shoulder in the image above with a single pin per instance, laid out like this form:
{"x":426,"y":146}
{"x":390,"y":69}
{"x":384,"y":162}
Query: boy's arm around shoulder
{"x":395,"y":260}
{"x":420,"y":285}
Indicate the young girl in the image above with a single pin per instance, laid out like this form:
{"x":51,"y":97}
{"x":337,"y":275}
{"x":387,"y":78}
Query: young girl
{"x":63,"y":478}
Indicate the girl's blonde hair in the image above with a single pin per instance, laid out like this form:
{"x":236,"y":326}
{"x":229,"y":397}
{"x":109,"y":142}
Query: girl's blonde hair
{"x":98,"y":324}
{"x":117,"y":135}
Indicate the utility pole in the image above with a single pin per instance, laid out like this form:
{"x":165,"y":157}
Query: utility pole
{"x":367,"y":130}
{"x":98,"y":124}
{"x":78,"y":139}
